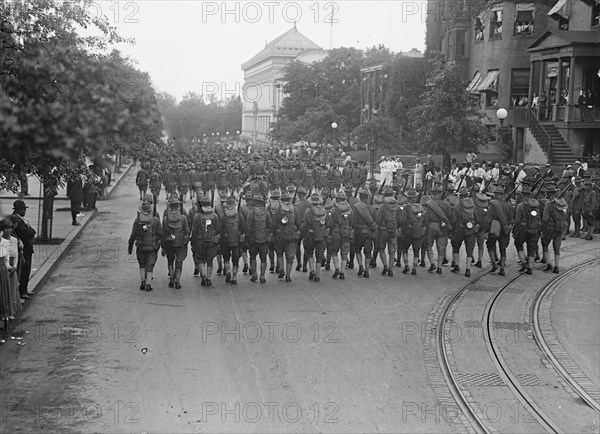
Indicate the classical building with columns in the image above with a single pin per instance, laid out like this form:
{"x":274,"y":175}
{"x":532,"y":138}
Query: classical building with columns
{"x":535,"y":59}
{"x":262,"y":92}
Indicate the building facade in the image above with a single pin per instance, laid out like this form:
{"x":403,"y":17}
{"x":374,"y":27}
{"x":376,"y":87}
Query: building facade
{"x":535,"y":59}
{"x":262,"y":92}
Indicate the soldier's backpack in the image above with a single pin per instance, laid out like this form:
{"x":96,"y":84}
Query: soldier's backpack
{"x":534,"y":218}
{"x":260,"y":225}
{"x":142,"y":177}
{"x":318,"y":225}
{"x":416,"y":216}
{"x":483,"y":216}
{"x":232,"y":228}
{"x":145,"y":237}
{"x":207,"y":226}
{"x":175,"y":228}
{"x":154,"y":181}
{"x":467,"y":215}
{"x":390,"y":211}
{"x":344,"y":212}
{"x":288,"y":226}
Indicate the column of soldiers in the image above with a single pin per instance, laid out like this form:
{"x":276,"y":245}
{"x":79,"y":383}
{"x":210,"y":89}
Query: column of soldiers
{"x":271,"y":211}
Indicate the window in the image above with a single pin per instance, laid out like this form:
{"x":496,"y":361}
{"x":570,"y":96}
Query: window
{"x":519,"y":87}
{"x":457,"y":44}
{"x":489,"y":88}
{"x":524,"y":19}
{"x":496,"y":22}
{"x":595,"y":14}
{"x":479,"y":27}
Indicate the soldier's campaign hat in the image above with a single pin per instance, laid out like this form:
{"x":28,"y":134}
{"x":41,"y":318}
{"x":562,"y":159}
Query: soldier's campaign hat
{"x":341,"y":195}
{"x":587,"y":183}
{"x":388,"y":191}
{"x":525,"y":190}
{"x":223,"y":196}
{"x":436,"y":189}
{"x":481,"y":197}
{"x":561,"y":204}
{"x":173,"y":200}
{"x":291,"y":189}
{"x":149,"y":198}
{"x":315,"y":199}
{"x":463,"y":191}
{"x":302,"y":190}
{"x":328,"y":204}
{"x":204,"y":199}
{"x":402,"y":200}
{"x":19,"y":204}
{"x":258,"y":198}
{"x":275,"y":193}
{"x":286,"y":196}
{"x":230,"y":201}
{"x":578,"y":179}
{"x":450,"y":187}
{"x":146,"y":206}
{"x":363,"y":192}
{"x":348,"y":187}
{"x":378,"y":199}
{"x":498,"y":190}
{"x":550,"y":188}
{"x":411,"y":193}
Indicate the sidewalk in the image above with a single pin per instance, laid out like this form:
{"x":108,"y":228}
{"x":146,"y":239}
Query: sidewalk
{"x":47,"y":256}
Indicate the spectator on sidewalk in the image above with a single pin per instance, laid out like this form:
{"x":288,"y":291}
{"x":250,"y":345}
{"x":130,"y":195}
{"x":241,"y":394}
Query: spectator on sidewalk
{"x":75,"y":193}
{"x":25,"y":233}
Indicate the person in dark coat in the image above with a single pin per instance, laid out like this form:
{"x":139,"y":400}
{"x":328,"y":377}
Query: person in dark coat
{"x":23,"y":230}
{"x":75,"y":193}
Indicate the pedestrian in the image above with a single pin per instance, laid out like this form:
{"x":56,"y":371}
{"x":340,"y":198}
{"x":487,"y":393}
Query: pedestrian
{"x":75,"y":194}
{"x":175,"y":238}
{"x":259,"y":235}
{"x":25,"y":233}
{"x":5,"y":270}
{"x":418,"y":173}
{"x":10,"y":251}
{"x":146,"y":233}
{"x":465,"y":226}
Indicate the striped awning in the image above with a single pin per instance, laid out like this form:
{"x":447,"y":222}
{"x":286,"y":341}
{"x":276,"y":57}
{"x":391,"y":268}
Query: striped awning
{"x":490,"y":83}
{"x":472,"y":87}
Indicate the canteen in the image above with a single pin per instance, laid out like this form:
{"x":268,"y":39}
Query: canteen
{"x":534,"y":213}
{"x":145,"y":227}
{"x":208,"y":222}
{"x":469,"y":225}
{"x":284,"y":220}
{"x":172,"y":236}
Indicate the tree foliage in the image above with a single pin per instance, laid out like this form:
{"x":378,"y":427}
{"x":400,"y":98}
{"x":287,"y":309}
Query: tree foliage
{"x":63,"y":95}
{"x":445,"y":120}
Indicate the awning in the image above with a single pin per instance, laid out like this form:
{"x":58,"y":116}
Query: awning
{"x":472,"y":87}
{"x":560,"y":10}
{"x":490,"y":83}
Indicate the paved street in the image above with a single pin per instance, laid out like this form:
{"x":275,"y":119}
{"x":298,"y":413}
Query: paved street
{"x":102,"y":356}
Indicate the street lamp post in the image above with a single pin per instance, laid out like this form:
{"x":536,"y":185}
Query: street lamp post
{"x":502,"y":114}
{"x":334,"y":126}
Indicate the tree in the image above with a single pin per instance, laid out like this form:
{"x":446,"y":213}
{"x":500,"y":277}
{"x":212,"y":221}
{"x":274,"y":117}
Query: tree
{"x":445,"y":120}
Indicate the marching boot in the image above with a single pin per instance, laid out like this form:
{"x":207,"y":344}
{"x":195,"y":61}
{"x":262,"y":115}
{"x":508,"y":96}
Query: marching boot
{"x":317,"y":274}
{"x":328,"y":262}
{"x":468,"y":266}
{"x":170,"y":268}
{"x":143,"y":285}
{"x":390,"y":269}
{"x":304,"y":263}
{"x":288,"y":272}
{"x":209,"y":270}
{"x":220,"y":264}
{"x":177,"y":276}
{"x":361,"y":270}
{"x":311,"y":267}
{"x":455,"y":266}
{"x":556,"y":261}
{"x":254,"y":277}
{"x":149,"y":276}
{"x":263,"y":269}
{"x":171,"y":276}
{"x":234,"y":275}
{"x":336,"y":266}
{"x":373,"y":262}
{"x":492,"y":255}
{"x":245,"y":259}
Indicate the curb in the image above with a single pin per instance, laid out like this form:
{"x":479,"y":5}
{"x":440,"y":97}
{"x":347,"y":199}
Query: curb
{"x":48,"y":265}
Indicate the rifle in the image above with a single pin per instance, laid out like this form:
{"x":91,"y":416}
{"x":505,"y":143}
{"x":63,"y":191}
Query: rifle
{"x":239,"y":203}
{"x":181,"y":203}
{"x":295,"y":195}
{"x":154,"y":201}
{"x":564,"y":190}
{"x":535,"y":184}
{"x":485,"y":187}
{"x":462,"y":178}
{"x":212,"y":197}
{"x":382,"y":185}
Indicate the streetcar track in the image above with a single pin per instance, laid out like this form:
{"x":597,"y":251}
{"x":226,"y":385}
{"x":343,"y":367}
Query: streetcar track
{"x":443,"y":357}
{"x":541,"y":340}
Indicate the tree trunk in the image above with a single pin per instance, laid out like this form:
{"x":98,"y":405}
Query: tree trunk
{"x":47,"y":214}
{"x":446,"y":163}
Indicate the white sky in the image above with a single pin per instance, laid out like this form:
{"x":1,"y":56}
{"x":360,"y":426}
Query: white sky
{"x":189,"y":45}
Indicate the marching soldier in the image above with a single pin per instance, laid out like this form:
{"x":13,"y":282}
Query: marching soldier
{"x":141,"y":180}
{"x":388,"y":220}
{"x":465,"y":226}
{"x":341,"y":232}
{"x":259,"y":235}
{"x":245,"y":211}
{"x":482,"y":217}
{"x":377,"y":247}
{"x":413,"y":230}
{"x":155,"y":181}
{"x":233,"y":227}
{"x":590,"y":204}
{"x":501,"y":224}
{"x":146,"y":233}
{"x":577,"y":206}
{"x":554,"y":219}
{"x":302,"y":206}
{"x":527,"y":229}
{"x":206,"y":236}
{"x":273,"y":206}
{"x":315,"y":234}
{"x":437,"y":220}
{"x":286,"y":227}
{"x":176,"y":235}
{"x":364,"y":227}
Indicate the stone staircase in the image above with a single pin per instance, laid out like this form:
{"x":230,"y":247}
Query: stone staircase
{"x":550,"y":139}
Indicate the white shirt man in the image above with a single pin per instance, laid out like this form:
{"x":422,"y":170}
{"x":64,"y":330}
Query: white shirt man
{"x":520,"y":176}
{"x":471,"y":156}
